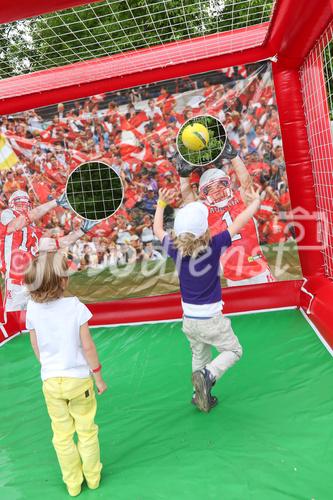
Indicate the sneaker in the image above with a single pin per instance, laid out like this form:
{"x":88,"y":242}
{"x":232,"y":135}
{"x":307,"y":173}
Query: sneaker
{"x":213,"y":401}
{"x":203,"y":382}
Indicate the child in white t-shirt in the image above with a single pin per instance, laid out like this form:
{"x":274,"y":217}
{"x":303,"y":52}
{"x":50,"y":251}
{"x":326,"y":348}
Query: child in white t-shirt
{"x":62,"y":343}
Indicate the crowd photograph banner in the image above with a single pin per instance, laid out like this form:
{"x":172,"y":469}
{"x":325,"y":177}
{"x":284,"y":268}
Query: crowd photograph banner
{"x":134,"y":131}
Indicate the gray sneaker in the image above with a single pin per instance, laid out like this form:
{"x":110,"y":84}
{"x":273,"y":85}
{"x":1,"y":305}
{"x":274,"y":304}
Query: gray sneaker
{"x":203,"y":383}
{"x":213,"y":401}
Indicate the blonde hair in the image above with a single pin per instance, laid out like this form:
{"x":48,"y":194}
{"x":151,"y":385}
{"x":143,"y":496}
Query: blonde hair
{"x":46,"y":276}
{"x":190,"y":245}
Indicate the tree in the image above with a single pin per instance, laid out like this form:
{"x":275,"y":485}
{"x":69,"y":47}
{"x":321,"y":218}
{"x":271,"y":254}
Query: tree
{"x":97,"y":30}
{"x":327,"y":66}
{"x":16,"y":48}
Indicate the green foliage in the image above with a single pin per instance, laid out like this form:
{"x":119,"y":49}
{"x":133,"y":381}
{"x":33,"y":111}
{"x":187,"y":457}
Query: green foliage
{"x":16,"y":48}
{"x":327,"y":63}
{"x":115,"y":26}
{"x":94,"y":191}
{"x":215,"y":144}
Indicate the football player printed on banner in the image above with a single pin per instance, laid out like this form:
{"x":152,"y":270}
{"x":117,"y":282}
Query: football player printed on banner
{"x":21,"y":240}
{"x":244,"y":263}
{"x":275,"y":230}
{"x":269,"y":202}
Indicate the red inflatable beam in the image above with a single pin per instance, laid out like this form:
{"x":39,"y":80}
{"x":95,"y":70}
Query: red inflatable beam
{"x":295,"y":28}
{"x":321,"y":305}
{"x":168,"y":307}
{"x":299,"y":167}
{"x":322,"y":311}
{"x":132,"y":68}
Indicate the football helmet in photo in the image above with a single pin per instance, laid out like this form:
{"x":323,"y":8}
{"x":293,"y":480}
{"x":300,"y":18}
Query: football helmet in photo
{"x":20,"y":202}
{"x":215,"y":187}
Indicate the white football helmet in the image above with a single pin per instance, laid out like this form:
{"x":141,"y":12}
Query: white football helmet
{"x":215,"y":187}
{"x":19,"y":201}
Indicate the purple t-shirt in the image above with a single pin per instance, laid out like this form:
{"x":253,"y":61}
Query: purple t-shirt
{"x":199,"y":278}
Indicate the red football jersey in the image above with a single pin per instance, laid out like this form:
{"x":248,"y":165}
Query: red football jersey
{"x":285,"y":201}
{"x":256,"y":169}
{"x":266,"y":210}
{"x":103,"y":229}
{"x":244,"y":259}
{"x":18,"y":248}
{"x":277,"y":231}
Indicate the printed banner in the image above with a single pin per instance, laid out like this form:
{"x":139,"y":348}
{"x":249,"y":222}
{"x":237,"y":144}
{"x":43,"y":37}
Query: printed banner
{"x":134,"y":131}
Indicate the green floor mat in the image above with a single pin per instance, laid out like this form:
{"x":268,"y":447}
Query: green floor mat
{"x":270,"y":437}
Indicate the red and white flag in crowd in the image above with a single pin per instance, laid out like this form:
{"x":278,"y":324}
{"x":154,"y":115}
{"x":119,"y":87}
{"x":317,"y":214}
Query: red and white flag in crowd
{"x":138,"y":119}
{"x":46,"y":134}
{"x":145,"y":154}
{"x":78,"y":157}
{"x":129,"y":144}
{"x":262,"y":87}
{"x":21,"y":145}
{"x":229,"y":72}
{"x":98,"y":97}
{"x":242,"y":71}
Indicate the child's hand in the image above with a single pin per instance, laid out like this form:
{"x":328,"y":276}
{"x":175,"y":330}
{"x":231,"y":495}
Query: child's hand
{"x":166,"y":195}
{"x":100,"y":385}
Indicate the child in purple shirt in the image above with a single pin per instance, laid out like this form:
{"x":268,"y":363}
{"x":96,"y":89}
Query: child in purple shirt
{"x":197,"y":258}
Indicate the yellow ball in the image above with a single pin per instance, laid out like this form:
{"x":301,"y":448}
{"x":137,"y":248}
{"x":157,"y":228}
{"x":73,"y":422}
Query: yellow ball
{"x":195,"y":137}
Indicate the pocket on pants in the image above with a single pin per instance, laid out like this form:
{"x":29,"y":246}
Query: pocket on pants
{"x":83,"y":391}
{"x":84,"y":405}
{"x":215,"y":329}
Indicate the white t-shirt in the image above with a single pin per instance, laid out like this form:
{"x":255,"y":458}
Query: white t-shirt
{"x":57,"y":326}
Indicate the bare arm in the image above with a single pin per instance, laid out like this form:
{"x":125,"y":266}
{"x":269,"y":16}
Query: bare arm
{"x":243,"y":176}
{"x":158,"y":221}
{"x":70,"y":238}
{"x":243,"y":218}
{"x":186,"y":190}
{"x":39,"y":212}
{"x":90,"y":353}
{"x":33,"y":341}
{"x":52,"y":245}
{"x":35,"y":214}
{"x":165,"y":197}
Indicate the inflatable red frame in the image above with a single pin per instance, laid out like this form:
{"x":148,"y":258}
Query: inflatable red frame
{"x":293,"y":31}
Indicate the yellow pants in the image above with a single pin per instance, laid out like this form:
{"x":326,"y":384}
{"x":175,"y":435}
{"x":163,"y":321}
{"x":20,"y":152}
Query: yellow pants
{"x":71,"y":404}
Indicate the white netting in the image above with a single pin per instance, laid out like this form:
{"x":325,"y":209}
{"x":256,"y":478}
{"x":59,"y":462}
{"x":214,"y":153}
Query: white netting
{"x":94,"y":190}
{"x":113,"y":27}
{"x":317,"y":84}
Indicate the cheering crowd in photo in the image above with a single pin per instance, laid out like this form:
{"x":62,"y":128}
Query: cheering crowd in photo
{"x":135,"y":132}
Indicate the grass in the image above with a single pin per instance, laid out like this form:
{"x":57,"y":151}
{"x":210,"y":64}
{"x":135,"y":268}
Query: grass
{"x":103,"y":285}
{"x":94,"y":190}
{"x":97,"y":285}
